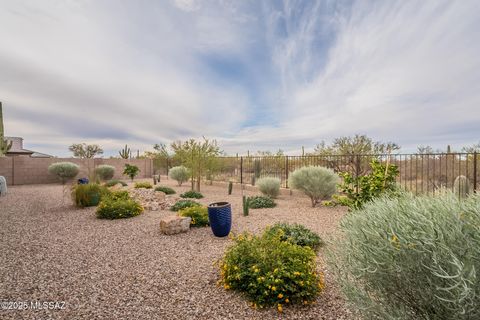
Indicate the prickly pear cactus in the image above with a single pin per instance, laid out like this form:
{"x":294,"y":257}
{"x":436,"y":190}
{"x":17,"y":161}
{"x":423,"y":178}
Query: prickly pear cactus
{"x":461,"y":187}
{"x":3,"y":186}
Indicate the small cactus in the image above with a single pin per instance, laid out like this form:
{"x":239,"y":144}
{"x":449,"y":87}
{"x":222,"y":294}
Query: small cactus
{"x":230,"y":187}
{"x":4,"y":144}
{"x":245,"y":206}
{"x":461,"y":187}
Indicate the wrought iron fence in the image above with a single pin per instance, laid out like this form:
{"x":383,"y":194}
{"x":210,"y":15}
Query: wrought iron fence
{"x":419,"y":173}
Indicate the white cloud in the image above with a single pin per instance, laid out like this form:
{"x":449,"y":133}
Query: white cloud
{"x":117,"y":72}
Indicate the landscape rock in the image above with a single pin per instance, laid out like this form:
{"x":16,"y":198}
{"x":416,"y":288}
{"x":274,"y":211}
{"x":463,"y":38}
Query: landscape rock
{"x":151,"y":199}
{"x":174,"y":224}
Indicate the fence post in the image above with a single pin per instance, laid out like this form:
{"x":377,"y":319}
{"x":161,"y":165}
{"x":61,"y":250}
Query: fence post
{"x":357,"y":169}
{"x":13,"y":170}
{"x":286,"y":171}
{"x":475,"y":172}
{"x":241,"y":170}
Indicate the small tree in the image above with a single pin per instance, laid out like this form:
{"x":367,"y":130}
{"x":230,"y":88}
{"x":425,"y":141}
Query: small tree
{"x":131,"y":170}
{"x":350,"y":149}
{"x":65,"y":171}
{"x":318,"y":183}
{"x":85,"y":151}
{"x":180,"y":174}
{"x":105,"y":172}
{"x":196,"y":156}
{"x":365,"y":188}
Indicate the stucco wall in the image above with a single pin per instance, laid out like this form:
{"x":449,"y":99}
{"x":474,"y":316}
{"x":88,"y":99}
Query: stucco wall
{"x":26,"y":170}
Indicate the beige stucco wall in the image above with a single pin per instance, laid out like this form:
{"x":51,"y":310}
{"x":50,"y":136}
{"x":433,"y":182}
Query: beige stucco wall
{"x":26,"y":170}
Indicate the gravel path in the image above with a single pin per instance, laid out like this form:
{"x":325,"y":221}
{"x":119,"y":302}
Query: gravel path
{"x":126,"y":269}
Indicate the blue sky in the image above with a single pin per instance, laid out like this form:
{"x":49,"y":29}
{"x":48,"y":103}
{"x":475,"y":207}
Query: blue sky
{"x":255,"y":75}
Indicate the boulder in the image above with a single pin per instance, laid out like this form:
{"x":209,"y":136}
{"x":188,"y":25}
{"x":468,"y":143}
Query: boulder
{"x":174,"y":224}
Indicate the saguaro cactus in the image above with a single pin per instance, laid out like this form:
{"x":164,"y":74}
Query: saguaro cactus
{"x":461,"y":186}
{"x":4,"y":144}
{"x":125,"y":152}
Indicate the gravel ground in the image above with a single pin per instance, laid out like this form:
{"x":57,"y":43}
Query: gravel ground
{"x":126,"y":269}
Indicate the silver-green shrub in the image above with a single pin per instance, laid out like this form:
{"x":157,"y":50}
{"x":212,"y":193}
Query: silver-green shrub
{"x":318,"y":183}
{"x":3,"y":186}
{"x":65,"y":171}
{"x":269,"y":186}
{"x":105,"y":172}
{"x":461,"y":187}
{"x":412,"y":258}
{"x":180,"y":174}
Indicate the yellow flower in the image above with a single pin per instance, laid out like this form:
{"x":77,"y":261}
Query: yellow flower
{"x":287,"y":300}
{"x":305,"y":302}
{"x":226,"y":286}
{"x":280,"y":296}
{"x":296,"y":273}
{"x":395,"y":242}
{"x":274,"y":288}
{"x":279,"y":308}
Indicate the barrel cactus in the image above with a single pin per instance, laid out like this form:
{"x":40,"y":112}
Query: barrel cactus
{"x":3,"y":186}
{"x":461,"y":187}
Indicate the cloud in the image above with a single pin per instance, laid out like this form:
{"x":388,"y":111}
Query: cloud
{"x":254,"y":75}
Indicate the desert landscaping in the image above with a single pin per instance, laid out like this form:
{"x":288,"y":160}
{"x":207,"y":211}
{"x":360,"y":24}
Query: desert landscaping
{"x":127,"y":268}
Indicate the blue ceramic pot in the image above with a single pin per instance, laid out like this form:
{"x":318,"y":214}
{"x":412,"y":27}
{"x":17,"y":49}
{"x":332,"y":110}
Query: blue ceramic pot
{"x":220,"y":216}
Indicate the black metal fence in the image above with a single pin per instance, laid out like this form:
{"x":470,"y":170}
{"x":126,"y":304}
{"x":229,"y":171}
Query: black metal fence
{"x":419,"y":173}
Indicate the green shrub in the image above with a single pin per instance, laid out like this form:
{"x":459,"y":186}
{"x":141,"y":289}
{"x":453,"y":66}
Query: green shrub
{"x":105,"y":172}
{"x":143,"y":185}
{"x":166,"y":190}
{"x":192,"y":194}
{"x":117,"y":195}
{"x":318,"y":183}
{"x":114,"y":182}
{"x":65,"y":171}
{"x":269,"y":186}
{"x":271,"y":272}
{"x":118,"y":208}
{"x":412,"y":258}
{"x":380,"y":180}
{"x":179,"y":174}
{"x":182,"y":204}
{"x":199,"y":215}
{"x":131,"y":171}
{"x":296,"y":234}
{"x":87,"y":195}
{"x":260,"y":202}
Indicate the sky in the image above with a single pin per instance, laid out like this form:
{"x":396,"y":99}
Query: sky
{"x":254,"y":75}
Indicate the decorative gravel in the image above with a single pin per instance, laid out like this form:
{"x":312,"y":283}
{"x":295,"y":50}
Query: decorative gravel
{"x":126,"y":269}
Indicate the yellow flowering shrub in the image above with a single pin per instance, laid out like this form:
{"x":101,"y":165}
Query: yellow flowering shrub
{"x":271,"y":272}
{"x":199,"y":215}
